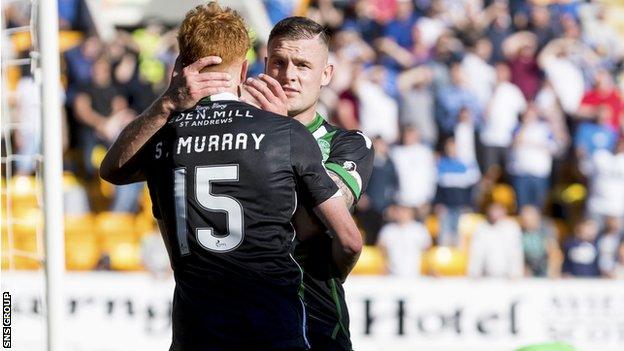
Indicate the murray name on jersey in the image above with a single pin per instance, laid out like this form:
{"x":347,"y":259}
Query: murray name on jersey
{"x":218,"y":142}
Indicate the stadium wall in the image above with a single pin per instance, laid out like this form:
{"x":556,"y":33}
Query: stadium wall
{"x":114,"y":311}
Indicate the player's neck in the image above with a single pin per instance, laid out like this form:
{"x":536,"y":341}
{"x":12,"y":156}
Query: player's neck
{"x":230,"y":94}
{"x":306,"y":117}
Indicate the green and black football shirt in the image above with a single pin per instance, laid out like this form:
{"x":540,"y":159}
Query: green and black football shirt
{"x":349,"y":154}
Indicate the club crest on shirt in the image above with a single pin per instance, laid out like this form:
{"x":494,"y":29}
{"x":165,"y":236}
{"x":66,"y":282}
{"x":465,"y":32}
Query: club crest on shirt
{"x":324,"y":146}
{"x":349,"y":166}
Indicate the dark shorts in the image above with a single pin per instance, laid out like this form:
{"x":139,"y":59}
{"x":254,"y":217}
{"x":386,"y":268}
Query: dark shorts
{"x":493,"y":155}
{"x":255,"y":319}
{"x":324,"y":338}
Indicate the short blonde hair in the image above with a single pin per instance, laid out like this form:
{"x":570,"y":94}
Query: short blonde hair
{"x":209,"y":30}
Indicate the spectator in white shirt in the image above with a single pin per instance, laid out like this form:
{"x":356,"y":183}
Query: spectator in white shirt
{"x":606,"y":183}
{"x":608,"y":246}
{"x":618,"y":269}
{"x":565,"y":76}
{"x":496,"y":246}
{"x":28,"y":136}
{"x":531,"y":159}
{"x":501,"y":119}
{"x":480,"y":76}
{"x":416,"y":168}
{"x":465,"y":137}
{"x":379,"y":112}
{"x":403,"y":242}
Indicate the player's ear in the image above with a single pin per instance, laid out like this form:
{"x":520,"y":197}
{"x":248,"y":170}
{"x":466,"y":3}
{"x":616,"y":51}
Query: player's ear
{"x":243,"y":74}
{"x":328,"y":73}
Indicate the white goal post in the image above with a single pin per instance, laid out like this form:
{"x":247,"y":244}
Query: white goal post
{"x":48,"y":41}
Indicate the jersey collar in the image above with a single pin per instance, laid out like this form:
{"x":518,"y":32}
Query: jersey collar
{"x":316,"y":123}
{"x":225,"y":96}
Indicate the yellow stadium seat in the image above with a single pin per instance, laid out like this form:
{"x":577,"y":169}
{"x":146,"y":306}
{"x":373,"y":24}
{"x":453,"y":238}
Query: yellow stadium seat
{"x":80,"y":228}
{"x":97,"y":155}
{"x":28,"y":253}
{"x":13,"y":76}
{"x":23,"y":192}
{"x":67,"y":39}
{"x":433,"y":225}
{"x":112,"y":224}
{"x":21,"y":41}
{"x":5,"y":260}
{"x":5,"y":248}
{"x":444,"y":261}
{"x":371,"y":262}
{"x":70,"y":180}
{"x":81,"y":255}
{"x":144,"y":224}
{"x":125,"y":257}
{"x":81,"y":249}
{"x":505,"y":195}
{"x":26,"y":263}
{"x":27,"y":225}
{"x":117,"y":236}
{"x":5,"y":238}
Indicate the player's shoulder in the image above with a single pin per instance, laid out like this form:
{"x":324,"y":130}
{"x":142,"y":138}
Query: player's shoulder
{"x":354,"y":136}
{"x":351,"y":139}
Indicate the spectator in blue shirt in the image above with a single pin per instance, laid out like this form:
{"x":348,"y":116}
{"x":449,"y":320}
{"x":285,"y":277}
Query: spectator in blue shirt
{"x":400,"y":29}
{"x":363,"y":21}
{"x":595,"y":135}
{"x":278,"y":9}
{"x":452,"y":98}
{"x":79,"y":62}
{"x":581,"y":251}
{"x":454,"y":194}
{"x":499,"y":30}
{"x":257,"y":66}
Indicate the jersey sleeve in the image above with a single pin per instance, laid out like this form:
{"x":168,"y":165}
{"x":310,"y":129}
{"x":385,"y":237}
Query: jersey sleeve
{"x":307,"y":164}
{"x":148,"y":161}
{"x":351,"y":158}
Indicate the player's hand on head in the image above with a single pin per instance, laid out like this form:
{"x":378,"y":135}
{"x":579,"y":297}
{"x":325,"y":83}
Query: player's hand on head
{"x":189,"y":85}
{"x":267,"y":94}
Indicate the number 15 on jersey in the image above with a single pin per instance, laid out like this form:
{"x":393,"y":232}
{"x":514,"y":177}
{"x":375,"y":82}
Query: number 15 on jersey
{"x":204,"y":178}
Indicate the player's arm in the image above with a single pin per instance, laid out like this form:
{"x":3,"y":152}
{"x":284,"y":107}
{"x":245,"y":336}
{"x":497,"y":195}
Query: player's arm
{"x":350,"y":164}
{"x":329,"y":206}
{"x":347,"y":242}
{"x":188,"y":85}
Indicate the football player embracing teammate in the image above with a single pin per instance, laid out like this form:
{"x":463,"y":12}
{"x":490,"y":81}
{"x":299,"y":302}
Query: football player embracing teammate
{"x":222,"y":176}
{"x":296,"y":69}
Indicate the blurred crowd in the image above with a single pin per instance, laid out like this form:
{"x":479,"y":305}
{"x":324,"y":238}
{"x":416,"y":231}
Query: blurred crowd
{"x":498,"y":125}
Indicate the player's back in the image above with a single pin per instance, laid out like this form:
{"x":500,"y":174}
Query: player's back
{"x":223,"y":178}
